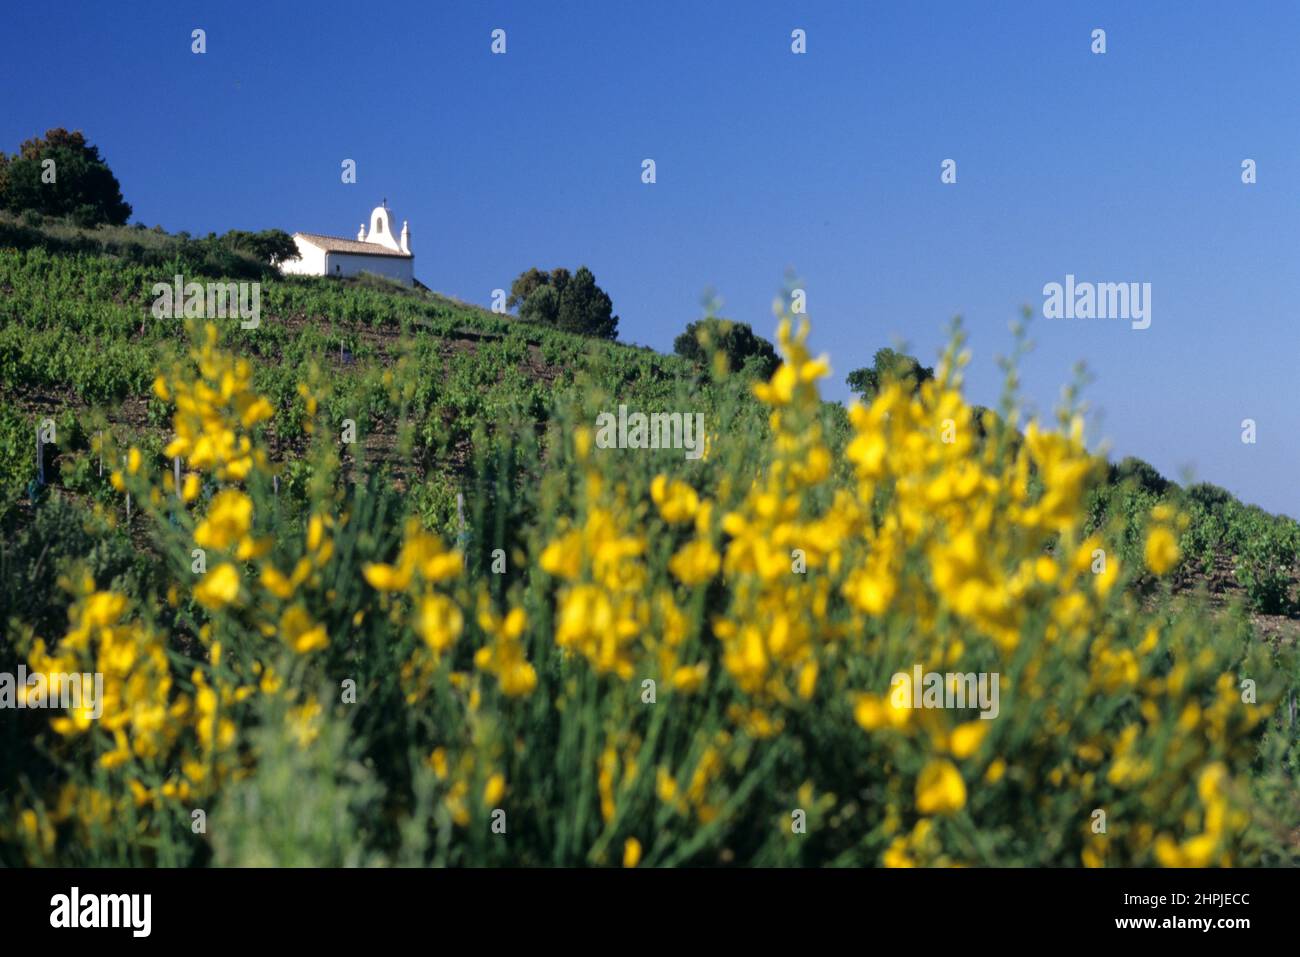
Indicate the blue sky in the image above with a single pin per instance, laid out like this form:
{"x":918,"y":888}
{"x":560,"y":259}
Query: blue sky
{"x":1117,"y":167}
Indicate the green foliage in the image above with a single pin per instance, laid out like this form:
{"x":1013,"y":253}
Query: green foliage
{"x":1224,"y":542}
{"x":531,"y":280}
{"x":1131,"y":469}
{"x":237,"y":254}
{"x":887,"y":364}
{"x":82,"y":185}
{"x":1264,"y":550}
{"x":273,"y":246}
{"x":60,"y":534}
{"x":735,"y":340}
{"x":571,"y":302}
{"x":304,"y":810}
{"x":75,"y":327}
{"x":16,"y":457}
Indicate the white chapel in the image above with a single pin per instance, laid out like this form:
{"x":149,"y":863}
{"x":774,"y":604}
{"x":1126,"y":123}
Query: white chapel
{"x":379,"y":251}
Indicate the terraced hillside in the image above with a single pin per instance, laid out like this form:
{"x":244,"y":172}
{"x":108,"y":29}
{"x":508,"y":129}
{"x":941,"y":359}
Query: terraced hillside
{"x":419,"y":373}
{"x":416,"y":372}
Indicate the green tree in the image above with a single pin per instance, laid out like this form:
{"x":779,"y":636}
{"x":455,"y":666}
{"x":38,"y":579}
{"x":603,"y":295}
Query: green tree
{"x":529,"y":281}
{"x":542,"y":305}
{"x":78,"y":184}
{"x":1209,"y":496}
{"x":270,"y":245}
{"x":1144,"y":474}
{"x":887,"y":364}
{"x":736,"y":340}
{"x":569,"y":301}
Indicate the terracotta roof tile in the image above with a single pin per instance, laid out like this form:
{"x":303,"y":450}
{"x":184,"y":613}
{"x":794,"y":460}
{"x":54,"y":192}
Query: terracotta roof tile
{"x":337,"y":244}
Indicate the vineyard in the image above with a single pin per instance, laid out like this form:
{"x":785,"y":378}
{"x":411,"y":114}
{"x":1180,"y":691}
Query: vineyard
{"x":364,"y":590}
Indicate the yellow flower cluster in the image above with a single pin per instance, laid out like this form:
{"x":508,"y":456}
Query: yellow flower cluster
{"x":1219,"y":819}
{"x":602,"y":607}
{"x":456,"y":777}
{"x":778,"y":613}
{"x":504,"y":655}
{"x":953,"y":518}
{"x":166,"y":745}
{"x":422,"y":564}
{"x":1162,"y":551}
{"x":214,"y":411}
{"x":607,"y":610}
{"x":137,"y":707}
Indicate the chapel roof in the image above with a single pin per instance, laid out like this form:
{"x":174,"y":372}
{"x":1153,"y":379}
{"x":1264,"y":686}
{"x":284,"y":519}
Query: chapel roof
{"x":337,"y":244}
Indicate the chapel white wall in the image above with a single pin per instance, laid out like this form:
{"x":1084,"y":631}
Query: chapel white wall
{"x":351,"y":265}
{"x":310,"y":261}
